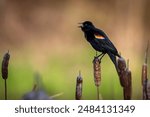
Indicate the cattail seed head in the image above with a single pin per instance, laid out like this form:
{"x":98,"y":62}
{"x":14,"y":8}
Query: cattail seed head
{"x":129,"y":78}
{"x":5,"y":63}
{"x":121,"y":64}
{"x":127,"y":95}
{"x":144,"y":78}
{"x":79,"y":82}
{"x":148,"y":89}
{"x":145,"y":87}
{"x":128,"y":85}
{"x":128,"y":74}
{"x":144,"y":67}
{"x":144,"y":73}
{"x":97,"y":71}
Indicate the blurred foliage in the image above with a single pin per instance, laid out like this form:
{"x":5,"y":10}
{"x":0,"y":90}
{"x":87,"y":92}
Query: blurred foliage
{"x":42,"y":36}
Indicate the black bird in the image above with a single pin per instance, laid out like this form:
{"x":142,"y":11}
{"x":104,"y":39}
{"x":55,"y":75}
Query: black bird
{"x":99,"y":41}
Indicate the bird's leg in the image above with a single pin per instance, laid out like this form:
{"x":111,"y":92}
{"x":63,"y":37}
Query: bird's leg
{"x":99,"y":55}
{"x":102,"y":55}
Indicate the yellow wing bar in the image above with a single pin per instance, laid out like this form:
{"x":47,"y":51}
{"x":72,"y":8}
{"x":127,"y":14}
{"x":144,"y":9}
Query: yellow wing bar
{"x":97,"y":36}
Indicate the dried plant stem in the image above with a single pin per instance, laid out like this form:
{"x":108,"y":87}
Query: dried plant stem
{"x":145,"y":94}
{"x":148,"y":89}
{"x":98,"y":93}
{"x":5,"y":89}
{"x":56,"y":95}
{"x":34,"y":87}
{"x":144,"y":80}
{"x":144,"y":75}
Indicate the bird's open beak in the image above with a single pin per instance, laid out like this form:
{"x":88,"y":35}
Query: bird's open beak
{"x":80,"y":25}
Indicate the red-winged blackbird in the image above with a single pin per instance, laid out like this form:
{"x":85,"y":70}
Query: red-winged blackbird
{"x":99,"y":41}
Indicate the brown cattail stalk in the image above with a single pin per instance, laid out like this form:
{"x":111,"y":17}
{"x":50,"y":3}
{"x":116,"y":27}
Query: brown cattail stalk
{"x":144,"y":75}
{"x":121,"y":70}
{"x":148,"y":89}
{"x":79,"y":83}
{"x":5,"y":63}
{"x":97,"y":74}
{"x":125,"y":77}
{"x":128,"y":83}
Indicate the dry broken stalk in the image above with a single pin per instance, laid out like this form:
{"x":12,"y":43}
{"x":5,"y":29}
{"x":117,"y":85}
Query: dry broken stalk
{"x":79,"y":83}
{"x":97,"y":74}
{"x":5,"y":63}
{"x":144,"y":75}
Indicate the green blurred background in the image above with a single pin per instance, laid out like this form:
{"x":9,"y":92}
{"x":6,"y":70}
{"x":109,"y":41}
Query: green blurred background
{"x":42,"y":36}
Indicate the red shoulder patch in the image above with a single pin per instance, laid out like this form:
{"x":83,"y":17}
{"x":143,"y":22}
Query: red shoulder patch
{"x":97,"y":36}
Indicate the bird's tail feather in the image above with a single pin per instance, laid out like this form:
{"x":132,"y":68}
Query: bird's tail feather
{"x":113,"y":58}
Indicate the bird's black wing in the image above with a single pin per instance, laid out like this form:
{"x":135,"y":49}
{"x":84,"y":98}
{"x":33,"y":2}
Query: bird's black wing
{"x":109,"y":46}
{"x":103,"y":40}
